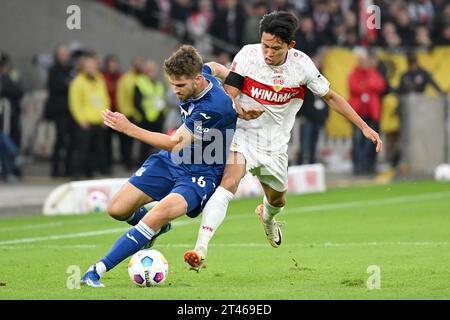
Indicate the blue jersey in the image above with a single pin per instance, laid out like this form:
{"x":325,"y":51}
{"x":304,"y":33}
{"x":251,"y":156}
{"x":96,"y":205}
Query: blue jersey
{"x":211,"y":117}
{"x":195,"y":171}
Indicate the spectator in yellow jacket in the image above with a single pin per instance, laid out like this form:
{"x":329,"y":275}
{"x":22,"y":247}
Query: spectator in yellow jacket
{"x":149,"y":99}
{"x":125,"y":105}
{"x":125,"y":91}
{"x":88,"y":96}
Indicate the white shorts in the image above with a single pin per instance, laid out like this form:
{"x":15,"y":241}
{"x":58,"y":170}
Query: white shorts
{"x":269,"y":167}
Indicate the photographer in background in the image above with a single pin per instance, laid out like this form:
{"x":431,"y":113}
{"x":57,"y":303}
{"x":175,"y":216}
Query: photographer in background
{"x":416,"y":79}
{"x":313,"y":115}
{"x":57,"y":110}
{"x":11,"y":90}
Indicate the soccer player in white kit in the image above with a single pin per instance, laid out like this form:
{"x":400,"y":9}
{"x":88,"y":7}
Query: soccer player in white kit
{"x":267,"y":82}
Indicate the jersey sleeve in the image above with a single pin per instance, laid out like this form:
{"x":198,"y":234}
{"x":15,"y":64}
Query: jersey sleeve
{"x":315,"y":81}
{"x":202,"y":121}
{"x":207,"y":69}
{"x":240,"y":62}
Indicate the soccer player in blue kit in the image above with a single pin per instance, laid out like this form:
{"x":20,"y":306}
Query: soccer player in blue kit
{"x":185,"y":173}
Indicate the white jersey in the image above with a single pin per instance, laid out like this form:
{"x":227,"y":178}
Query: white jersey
{"x":279,"y":90}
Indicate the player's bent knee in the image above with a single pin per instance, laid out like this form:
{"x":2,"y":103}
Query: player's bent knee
{"x":115,"y":211}
{"x":278,"y":201}
{"x":230,"y":183}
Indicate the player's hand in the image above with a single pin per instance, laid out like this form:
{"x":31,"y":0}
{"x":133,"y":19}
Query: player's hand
{"x":372,"y":135}
{"x":116,"y":121}
{"x":251,"y":112}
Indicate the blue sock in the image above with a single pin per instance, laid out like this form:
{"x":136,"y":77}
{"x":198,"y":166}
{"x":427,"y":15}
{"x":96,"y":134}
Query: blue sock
{"x":128,"y":244}
{"x":137,"y":216}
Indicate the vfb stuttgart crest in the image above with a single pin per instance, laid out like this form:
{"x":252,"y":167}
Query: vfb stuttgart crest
{"x":278,"y":84}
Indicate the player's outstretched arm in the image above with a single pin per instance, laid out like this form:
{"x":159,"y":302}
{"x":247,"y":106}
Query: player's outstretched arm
{"x":341,"y":106}
{"x":117,"y":121}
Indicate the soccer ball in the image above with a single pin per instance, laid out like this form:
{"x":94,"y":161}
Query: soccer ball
{"x":148,"y":268}
{"x":442,"y":172}
{"x":97,"y":201}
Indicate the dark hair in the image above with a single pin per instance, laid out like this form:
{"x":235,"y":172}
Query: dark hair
{"x":411,"y":58}
{"x":89,"y":54}
{"x":186,"y":61}
{"x":4,"y":59}
{"x":281,"y":24}
{"x":108,"y":58}
{"x":260,"y":3}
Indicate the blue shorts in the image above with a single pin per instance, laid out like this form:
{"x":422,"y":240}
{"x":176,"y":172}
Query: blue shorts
{"x":159,"y":176}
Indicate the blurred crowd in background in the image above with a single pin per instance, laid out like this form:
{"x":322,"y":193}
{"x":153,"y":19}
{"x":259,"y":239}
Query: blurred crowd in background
{"x":81,"y":84}
{"x":79,"y":87}
{"x":232,"y":23}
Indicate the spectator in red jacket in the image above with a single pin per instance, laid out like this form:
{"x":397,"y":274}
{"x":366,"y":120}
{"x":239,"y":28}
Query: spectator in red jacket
{"x":366,"y":86}
{"x":111,"y":74}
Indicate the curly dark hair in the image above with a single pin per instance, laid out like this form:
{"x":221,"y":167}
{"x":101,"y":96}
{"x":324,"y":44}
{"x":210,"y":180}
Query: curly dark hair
{"x":186,"y":61}
{"x":279,"y":23}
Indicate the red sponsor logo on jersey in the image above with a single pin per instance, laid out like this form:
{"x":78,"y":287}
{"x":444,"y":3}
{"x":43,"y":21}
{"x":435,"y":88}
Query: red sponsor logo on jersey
{"x":266,"y":94}
{"x":233,"y":66}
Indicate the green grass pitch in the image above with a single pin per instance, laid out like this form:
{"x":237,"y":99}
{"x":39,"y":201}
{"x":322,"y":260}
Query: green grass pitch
{"x":330,"y":240}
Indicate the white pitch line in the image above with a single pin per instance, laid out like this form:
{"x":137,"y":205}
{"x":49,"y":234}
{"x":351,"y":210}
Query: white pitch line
{"x":65,"y":236}
{"x":55,"y":246}
{"x":382,"y":243}
{"x":32,"y":226}
{"x":342,"y":205}
{"x":326,"y":244}
{"x":44,"y":225}
{"x":79,"y":234}
{"x":371,"y":203}
{"x":251,"y":245}
{"x":52,"y":224}
{"x":338,"y":244}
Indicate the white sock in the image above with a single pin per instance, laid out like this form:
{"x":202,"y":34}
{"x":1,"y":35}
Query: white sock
{"x":213,"y":214}
{"x":100,"y":268}
{"x":145,"y":230}
{"x":269,"y":210}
